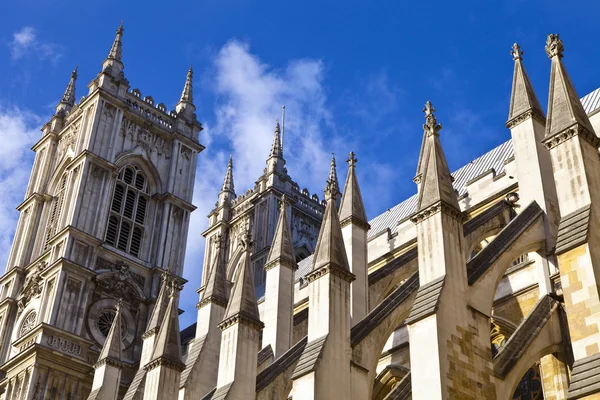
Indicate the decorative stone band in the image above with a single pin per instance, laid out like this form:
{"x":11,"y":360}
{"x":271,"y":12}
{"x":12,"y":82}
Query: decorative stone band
{"x":426,"y":302}
{"x":566,"y":134}
{"x":511,"y":123}
{"x":165,"y":362}
{"x":217,"y":300}
{"x":440,"y":206}
{"x":240,"y":318}
{"x":283,"y":262}
{"x":150,"y":332}
{"x":109,"y":361}
{"x":333,"y":270}
{"x":356,"y":221}
{"x":573,"y":230}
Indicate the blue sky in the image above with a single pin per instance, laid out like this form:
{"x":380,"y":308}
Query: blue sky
{"x":353,"y":75}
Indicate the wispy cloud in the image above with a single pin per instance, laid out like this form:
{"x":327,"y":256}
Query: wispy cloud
{"x":27,"y":43}
{"x":19,"y":130}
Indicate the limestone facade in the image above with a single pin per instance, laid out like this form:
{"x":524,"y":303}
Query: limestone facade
{"x":480,"y":286}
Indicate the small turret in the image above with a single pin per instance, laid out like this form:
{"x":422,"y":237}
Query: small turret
{"x":275,"y":162}
{"x":433,"y":174}
{"x":564,"y":107}
{"x":523,"y":101}
{"x":107,"y":374}
{"x":185,"y":106}
{"x":113,"y":64}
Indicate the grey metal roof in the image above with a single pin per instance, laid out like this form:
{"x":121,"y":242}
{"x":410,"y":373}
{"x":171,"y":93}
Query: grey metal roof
{"x":591,"y":101}
{"x":493,"y":159}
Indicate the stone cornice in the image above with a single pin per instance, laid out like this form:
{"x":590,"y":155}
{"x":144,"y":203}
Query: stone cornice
{"x":109,"y":361}
{"x":356,"y":221}
{"x":333,"y":270}
{"x":240,"y":318}
{"x":165,"y":362}
{"x":216,"y":300}
{"x":279,"y":261}
{"x":570,"y":132}
{"x":531,"y":113}
{"x":440,"y":206}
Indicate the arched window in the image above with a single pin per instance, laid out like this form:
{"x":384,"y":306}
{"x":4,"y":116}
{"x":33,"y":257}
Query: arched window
{"x":125,"y":229}
{"x":55,"y":211}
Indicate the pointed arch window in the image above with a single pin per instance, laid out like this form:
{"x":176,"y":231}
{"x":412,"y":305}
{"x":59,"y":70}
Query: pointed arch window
{"x":55,"y":211}
{"x":125,"y":228}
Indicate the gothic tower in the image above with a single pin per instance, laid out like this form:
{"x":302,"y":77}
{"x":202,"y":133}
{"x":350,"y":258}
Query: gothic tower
{"x":106,"y":210}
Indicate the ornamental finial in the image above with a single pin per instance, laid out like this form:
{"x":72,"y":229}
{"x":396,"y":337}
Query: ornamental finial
{"x":352,"y":160}
{"x":554,"y":46}
{"x":516,"y":52}
{"x":431,"y":124}
{"x":332,"y":189}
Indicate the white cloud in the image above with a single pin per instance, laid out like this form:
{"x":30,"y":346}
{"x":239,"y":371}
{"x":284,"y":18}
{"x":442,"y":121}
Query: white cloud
{"x":26,"y":42}
{"x":19,"y":130}
{"x":250,"y":94}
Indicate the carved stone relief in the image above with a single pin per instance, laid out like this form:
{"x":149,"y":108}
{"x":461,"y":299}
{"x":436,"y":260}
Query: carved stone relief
{"x":146,"y":140}
{"x":32,"y":287}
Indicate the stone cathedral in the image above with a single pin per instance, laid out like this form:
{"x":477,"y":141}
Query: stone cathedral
{"x":480,"y":286}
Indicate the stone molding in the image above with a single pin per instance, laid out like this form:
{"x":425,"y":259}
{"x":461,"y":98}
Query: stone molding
{"x":240,"y":318}
{"x":356,"y":221}
{"x":330,"y":269}
{"x":165,"y":362}
{"x":279,"y":261}
{"x":216,"y":300}
{"x":570,"y":132}
{"x":440,"y":206}
{"x":531,"y":113}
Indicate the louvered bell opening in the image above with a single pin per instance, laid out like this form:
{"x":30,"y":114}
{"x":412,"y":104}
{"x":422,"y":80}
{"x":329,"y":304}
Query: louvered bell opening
{"x":128,"y":176}
{"x":140,"y":181}
{"x":124,"y":236}
{"x":140,"y":212}
{"x":129,"y":204}
{"x":117,"y":198}
{"x":136,"y":241}
{"x":111,"y":231}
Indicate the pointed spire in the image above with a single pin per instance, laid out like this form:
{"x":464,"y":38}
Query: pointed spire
{"x":69,"y":95}
{"x":523,"y":99}
{"x":564,"y":107}
{"x":276,"y":150}
{"x":116,"y":51}
{"x":330,"y":250}
{"x":228,"y":181}
{"x":352,"y":207}
{"x":332,"y":189}
{"x":111,"y":351}
{"x":282,"y":250}
{"x":168,"y":341}
{"x":433,"y":173}
{"x":160,"y":307}
{"x":242,"y":302}
{"x":187,"y":95}
{"x":215,"y":288}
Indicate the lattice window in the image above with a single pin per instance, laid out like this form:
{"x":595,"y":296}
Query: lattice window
{"x":28,"y":323}
{"x":55,"y":211}
{"x":125,"y":229}
{"x":105,"y":321}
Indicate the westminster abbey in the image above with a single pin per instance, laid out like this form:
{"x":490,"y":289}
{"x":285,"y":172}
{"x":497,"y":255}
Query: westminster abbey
{"x":483,"y":285}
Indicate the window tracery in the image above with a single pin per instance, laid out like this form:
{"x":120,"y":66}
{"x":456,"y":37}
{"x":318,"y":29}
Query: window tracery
{"x":28,"y":323}
{"x":125,"y":229}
